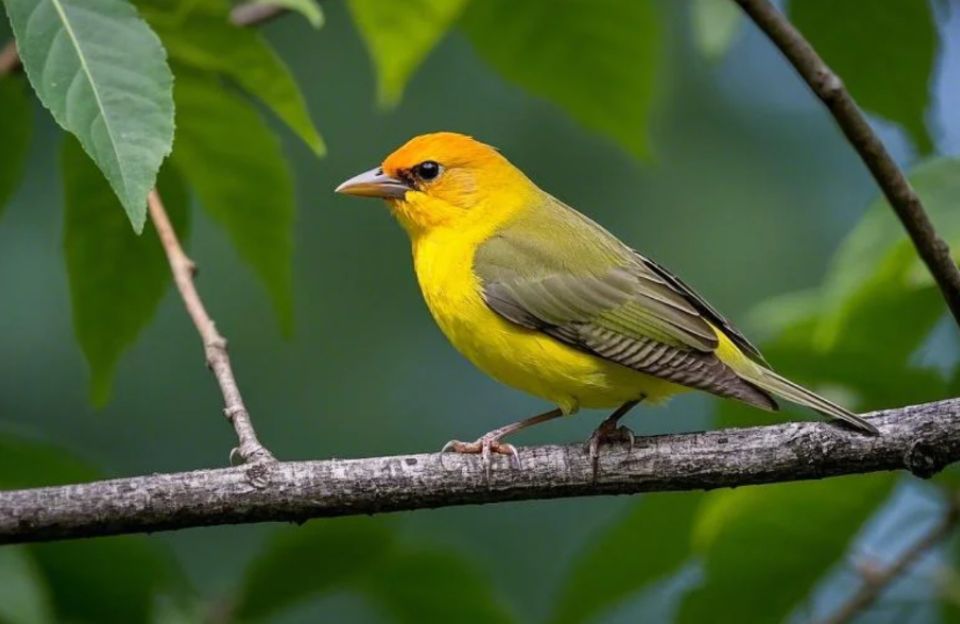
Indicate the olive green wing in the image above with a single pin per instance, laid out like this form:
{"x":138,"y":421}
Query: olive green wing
{"x":557,"y":272}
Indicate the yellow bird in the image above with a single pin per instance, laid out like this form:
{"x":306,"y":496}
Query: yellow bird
{"x":543,"y":299}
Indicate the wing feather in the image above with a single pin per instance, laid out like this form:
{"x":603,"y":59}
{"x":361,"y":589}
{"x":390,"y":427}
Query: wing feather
{"x":588,"y":290}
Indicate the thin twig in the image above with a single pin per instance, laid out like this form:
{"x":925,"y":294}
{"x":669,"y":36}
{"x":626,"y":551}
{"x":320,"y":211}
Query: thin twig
{"x":876,"y":581}
{"x":899,"y":193}
{"x":921,"y":438}
{"x":255,"y":13}
{"x":214,"y":345}
{"x":9,"y":58}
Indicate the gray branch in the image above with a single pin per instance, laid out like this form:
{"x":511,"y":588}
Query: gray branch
{"x":896,"y":188}
{"x":921,"y":439}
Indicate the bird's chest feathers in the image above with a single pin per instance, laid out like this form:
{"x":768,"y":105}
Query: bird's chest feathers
{"x":444,"y":266}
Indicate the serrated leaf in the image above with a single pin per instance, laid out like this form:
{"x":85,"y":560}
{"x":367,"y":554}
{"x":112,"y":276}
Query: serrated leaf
{"x":249,"y":191}
{"x":286,"y":571}
{"x":883,"y":53}
{"x":309,"y":9}
{"x":650,"y":542}
{"x":103,"y":74}
{"x":17,"y":116}
{"x":116,"y":278}
{"x":399,"y":39}
{"x":715,"y":25}
{"x":201,"y":36}
{"x":765,"y":547}
{"x":598,"y":60}
{"x":24,"y":598}
{"x":431,"y":586}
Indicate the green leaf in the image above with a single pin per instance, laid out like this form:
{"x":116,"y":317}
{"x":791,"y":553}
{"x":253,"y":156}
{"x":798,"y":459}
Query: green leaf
{"x":24,"y":598}
{"x":307,"y":8}
{"x":304,"y":561}
{"x":116,"y":278}
{"x":432,"y":586}
{"x":646,"y":545}
{"x":241,"y":178}
{"x":883,"y":53}
{"x":596,"y":59}
{"x":715,"y":26}
{"x":765,"y":547}
{"x":877,"y":269}
{"x":103,"y":74}
{"x":204,"y":39}
{"x":17,"y":116}
{"x":400,"y":38}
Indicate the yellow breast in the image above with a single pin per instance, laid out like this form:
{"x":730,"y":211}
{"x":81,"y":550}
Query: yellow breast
{"x":521,"y":358}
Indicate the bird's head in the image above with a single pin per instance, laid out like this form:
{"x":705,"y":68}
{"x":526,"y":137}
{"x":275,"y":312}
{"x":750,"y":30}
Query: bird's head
{"x":443,"y":179}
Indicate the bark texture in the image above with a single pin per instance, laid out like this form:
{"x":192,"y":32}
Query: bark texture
{"x":921,"y":439}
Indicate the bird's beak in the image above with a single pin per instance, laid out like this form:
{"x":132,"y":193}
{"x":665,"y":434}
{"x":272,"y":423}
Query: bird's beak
{"x":374,"y":183}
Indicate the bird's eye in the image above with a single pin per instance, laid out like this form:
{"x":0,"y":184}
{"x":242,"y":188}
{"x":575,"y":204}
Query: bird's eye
{"x":427,"y":170}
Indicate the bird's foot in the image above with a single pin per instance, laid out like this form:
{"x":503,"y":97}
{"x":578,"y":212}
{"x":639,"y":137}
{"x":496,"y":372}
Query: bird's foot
{"x":484,"y":446}
{"x":608,"y":433}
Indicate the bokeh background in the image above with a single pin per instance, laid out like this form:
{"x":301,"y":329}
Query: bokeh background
{"x":749,"y":191}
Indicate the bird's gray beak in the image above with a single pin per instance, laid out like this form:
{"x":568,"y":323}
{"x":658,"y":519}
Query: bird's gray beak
{"x":374,"y":183}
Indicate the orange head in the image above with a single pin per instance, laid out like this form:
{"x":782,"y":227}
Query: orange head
{"x":441,"y":179}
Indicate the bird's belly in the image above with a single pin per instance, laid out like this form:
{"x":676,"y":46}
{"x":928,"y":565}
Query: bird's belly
{"x":524,"y":359}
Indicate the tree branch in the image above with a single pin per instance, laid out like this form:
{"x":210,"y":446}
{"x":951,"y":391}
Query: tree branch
{"x":255,"y":13}
{"x":922,"y":439}
{"x":903,"y":199}
{"x":875,"y":582}
{"x":214,"y":345}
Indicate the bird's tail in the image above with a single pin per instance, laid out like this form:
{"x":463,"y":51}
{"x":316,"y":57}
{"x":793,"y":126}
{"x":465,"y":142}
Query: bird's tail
{"x":770,"y":381}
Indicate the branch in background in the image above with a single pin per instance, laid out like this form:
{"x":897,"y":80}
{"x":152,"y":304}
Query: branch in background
{"x":9,"y":58}
{"x":255,"y":13}
{"x":903,"y":199}
{"x":921,"y":438}
{"x":214,"y":345}
{"x":876,"y":581}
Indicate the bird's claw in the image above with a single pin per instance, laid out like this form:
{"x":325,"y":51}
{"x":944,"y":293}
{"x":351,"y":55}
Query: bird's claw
{"x":484,"y":446}
{"x":609,"y":434}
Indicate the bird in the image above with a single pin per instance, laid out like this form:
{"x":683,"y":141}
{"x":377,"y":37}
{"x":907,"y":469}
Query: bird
{"x":542,"y":298}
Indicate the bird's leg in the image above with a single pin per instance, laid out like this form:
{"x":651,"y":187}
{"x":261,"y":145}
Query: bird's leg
{"x":610,"y":431}
{"x":492,"y":442}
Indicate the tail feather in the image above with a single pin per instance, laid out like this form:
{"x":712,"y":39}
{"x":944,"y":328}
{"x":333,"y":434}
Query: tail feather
{"x":795,"y":393}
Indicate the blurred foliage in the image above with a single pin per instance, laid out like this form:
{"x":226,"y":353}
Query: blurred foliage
{"x":764,"y":548}
{"x":250,"y":192}
{"x":889,"y":80}
{"x":105,"y":73}
{"x":16,"y":113}
{"x":112,"y":301}
{"x":715,"y":25}
{"x":398,"y":41}
{"x":411,"y":583}
{"x":657,"y":529}
{"x":204,"y":39}
{"x":580,"y":58}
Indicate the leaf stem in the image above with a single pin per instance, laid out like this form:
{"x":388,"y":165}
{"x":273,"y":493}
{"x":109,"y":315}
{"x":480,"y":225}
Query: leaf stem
{"x":899,"y":193}
{"x":249,"y":450}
